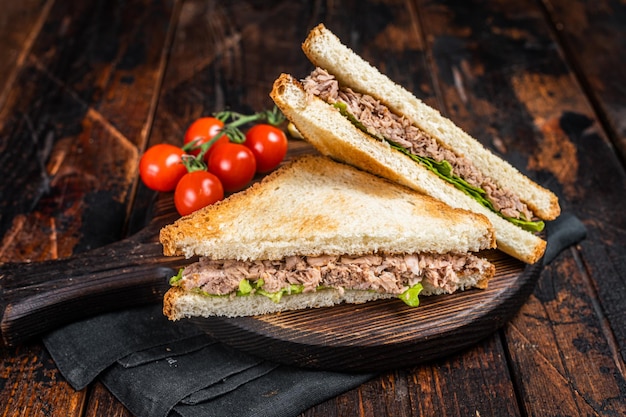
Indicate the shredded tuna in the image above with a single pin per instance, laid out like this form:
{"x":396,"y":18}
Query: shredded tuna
{"x":378,"y":272}
{"x":381,"y":122}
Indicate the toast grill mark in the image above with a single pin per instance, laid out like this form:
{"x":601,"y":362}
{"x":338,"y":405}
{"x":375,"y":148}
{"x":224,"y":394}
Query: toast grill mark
{"x":380,"y":122}
{"x":376,"y":272}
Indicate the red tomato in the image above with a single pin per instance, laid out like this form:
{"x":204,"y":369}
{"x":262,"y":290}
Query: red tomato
{"x":268,"y":144}
{"x":195,"y":190}
{"x":233,"y":164}
{"x":161,"y":167}
{"x":223,"y":139}
{"x":201,"y":131}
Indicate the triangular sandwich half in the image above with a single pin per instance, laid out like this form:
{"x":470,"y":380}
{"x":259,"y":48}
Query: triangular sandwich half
{"x":316,"y":233}
{"x":352,"y":112}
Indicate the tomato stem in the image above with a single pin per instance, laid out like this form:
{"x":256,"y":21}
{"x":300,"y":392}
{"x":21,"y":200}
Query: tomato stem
{"x":230,"y":129}
{"x":193,"y":163}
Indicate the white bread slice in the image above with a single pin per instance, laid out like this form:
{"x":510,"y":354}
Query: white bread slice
{"x":335,"y":136}
{"x":325,"y":50}
{"x":314,"y":206}
{"x":178,"y":304}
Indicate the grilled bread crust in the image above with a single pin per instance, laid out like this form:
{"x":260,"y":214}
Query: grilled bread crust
{"x":314,"y":206}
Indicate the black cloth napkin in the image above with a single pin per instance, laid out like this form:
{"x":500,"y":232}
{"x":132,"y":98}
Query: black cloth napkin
{"x":159,"y":368}
{"x":566,"y":230}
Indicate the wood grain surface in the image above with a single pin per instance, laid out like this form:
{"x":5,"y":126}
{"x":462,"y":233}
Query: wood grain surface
{"x":85,"y":87}
{"x":386,"y":334}
{"x":37,"y":297}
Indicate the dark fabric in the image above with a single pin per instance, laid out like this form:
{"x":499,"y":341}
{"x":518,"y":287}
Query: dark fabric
{"x":159,"y":368}
{"x":168,"y":350}
{"x":84,"y":349}
{"x":164,"y":383}
{"x":285,"y":392}
{"x":565,"y":231}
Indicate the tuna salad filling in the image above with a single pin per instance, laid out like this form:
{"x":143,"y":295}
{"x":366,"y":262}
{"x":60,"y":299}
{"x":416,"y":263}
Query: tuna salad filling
{"x":376,"y":119}
{"x":402,"y":275}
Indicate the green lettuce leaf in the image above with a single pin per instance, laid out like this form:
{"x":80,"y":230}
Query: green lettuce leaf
{"x":411,"y":296}
{"x":276,"y":296}
{"x":176,"y":278}
{"x":248,"y":288}
{"x":245,"y":288}
{"x":443,"y":169}
{"x":531,"y":226}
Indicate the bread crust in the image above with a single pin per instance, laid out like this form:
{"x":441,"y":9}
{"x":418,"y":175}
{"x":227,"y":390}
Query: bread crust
{"x":314,"y":206}
{"x":325,"y":50}
{"x":333,"y":135}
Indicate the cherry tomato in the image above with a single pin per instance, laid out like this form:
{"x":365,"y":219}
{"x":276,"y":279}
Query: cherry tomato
{"x":233,"y":164}
{"x":161,"y":167}
{"x":195,"y":190}
{"x":268,"y":144}
{"x":223,"y":139}
{"x":201,"y":131}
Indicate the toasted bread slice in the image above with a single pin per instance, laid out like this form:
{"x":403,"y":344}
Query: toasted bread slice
{"x":335,"y":136}
{"x":315,"y":206}
{"x":325,"y":50}
{"x":179,"y":304}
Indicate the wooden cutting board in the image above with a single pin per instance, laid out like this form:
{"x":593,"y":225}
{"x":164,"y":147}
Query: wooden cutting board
{"x":384,"y":334}
{"x":38,"y":297}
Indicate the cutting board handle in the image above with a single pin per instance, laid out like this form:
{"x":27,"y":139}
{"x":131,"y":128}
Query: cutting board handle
{"x":40,"y":296}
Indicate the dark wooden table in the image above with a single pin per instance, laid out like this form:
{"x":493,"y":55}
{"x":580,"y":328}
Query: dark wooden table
{"x":85,"y":87}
